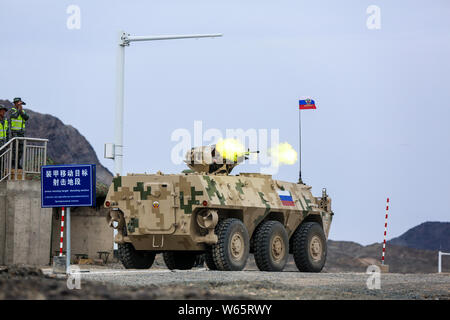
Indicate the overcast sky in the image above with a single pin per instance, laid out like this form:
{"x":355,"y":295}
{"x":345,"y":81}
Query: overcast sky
{"x":382,"y":124}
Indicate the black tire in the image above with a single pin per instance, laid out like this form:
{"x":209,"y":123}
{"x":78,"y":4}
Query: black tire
{"x":309,"y":247}
{"x":252,"y":244}
{"x":181,"y":260}
{"x":231,"y":251}
{"x":209,"y":259}
{"x":271,"y":244}
{"x":135,"y":259}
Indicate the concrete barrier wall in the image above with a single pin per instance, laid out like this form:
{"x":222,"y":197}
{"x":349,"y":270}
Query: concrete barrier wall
{"x":2,"y":222}
{"x":90,"y":232}
{"x":25,"y":227}
{"x":30,"y":235}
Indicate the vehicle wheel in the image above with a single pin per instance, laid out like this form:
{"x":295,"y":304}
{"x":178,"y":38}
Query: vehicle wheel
{"x":181,"y":260}
{"x":209,"y":259}
{"x":271,"y":245}
{"x":231,"y":251}
{"x":309,"y":247}
{"x":252,"y":244}
{"x":135,"y":259}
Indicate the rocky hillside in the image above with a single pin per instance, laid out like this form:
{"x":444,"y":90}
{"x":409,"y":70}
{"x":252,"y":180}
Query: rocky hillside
{"x":427,"y":236}
{"x":66,"y":144}
{"x":415,"y":251}
{"x":346,"y":256}
{"x":404,"y":254}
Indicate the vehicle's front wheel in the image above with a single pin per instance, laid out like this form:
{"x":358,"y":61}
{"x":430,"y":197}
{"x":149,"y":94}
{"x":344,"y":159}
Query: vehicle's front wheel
{"x":271,"y":245}
{"x":231,"y":251}
{"x":181,"y":260}
{"x":135,"y":259}
{"x":309,"y":247}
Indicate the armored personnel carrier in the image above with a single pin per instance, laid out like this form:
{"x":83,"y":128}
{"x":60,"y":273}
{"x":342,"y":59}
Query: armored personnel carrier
{"x":207,"y":211}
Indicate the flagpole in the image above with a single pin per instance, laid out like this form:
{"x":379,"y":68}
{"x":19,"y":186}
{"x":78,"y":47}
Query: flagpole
{"x":300,"y":145}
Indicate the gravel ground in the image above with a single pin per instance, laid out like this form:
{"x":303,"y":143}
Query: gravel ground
{"x":30,"y":283}
{"x":252,"y":284}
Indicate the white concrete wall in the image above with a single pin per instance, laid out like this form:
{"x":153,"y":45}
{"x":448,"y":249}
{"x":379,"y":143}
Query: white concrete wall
{"x":25,"y":227}
{"x":2,"y":222}
{"x":28,"y":232}
{"x":90,"y":232}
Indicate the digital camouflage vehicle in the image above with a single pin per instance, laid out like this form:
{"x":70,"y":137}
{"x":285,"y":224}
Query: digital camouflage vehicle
{"x":207,"y":211}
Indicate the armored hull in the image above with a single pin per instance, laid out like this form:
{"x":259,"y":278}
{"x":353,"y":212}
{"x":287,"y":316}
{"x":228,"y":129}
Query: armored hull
{"x":183,"y":215}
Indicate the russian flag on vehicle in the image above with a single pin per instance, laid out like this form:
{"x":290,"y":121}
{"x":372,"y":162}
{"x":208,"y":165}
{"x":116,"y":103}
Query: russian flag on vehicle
{"x":286,"y":198}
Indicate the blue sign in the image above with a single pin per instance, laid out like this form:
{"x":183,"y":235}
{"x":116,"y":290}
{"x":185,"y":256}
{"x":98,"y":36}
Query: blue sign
{"x":68,"y":186}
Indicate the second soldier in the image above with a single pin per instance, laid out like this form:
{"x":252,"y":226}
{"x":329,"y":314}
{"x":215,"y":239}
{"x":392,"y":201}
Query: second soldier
{"x":18,"y":117}
{"x":4,"y":134}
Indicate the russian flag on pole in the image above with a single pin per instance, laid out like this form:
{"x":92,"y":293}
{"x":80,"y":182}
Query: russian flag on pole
{"x":307,"y":104}
{"x":286,"y":198}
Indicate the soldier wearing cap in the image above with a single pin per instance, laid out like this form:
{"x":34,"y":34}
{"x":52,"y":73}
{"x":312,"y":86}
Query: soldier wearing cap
{"x":3,"y":125}
{"x":18,"y":118}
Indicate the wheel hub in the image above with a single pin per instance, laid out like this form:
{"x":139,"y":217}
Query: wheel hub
{"x":277,"y":248}
{"x":315,"y":248}
{"x":237,"y":246}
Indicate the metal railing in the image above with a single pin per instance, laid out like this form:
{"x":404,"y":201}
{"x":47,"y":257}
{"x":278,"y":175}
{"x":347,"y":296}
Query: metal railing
{"x":34,"y":155}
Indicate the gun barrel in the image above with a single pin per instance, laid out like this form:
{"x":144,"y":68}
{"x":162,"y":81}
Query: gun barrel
{"x":248,"y":152}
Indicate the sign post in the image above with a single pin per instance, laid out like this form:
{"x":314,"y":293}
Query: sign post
{"x":66,"y":186}
{"x":61,"y":238}
{"x":68,"y":242}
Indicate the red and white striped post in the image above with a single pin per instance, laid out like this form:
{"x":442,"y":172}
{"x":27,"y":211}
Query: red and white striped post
{"x":61,"y":241}
{"x":385,"y":230}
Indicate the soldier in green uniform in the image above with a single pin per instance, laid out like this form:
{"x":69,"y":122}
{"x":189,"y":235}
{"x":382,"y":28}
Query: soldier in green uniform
{"x":4,"y":134}
{"x":17,"y":118}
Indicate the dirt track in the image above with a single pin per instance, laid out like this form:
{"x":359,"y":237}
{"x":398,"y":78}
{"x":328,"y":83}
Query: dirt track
{"x":270,"y":285}
{"x":104,"y":283}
